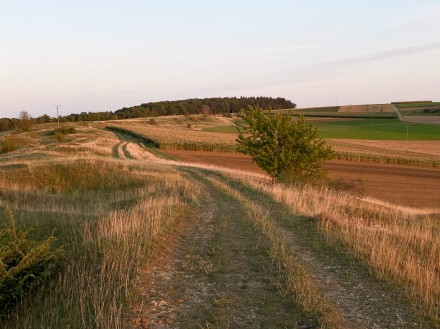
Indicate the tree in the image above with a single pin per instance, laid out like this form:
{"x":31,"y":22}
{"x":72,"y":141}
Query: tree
{"x":25,"y":121}
{"x":290,"y":151}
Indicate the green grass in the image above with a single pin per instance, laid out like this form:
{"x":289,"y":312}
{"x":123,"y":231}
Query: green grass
{"x":222,"y":129}
{"x":378,"y":129}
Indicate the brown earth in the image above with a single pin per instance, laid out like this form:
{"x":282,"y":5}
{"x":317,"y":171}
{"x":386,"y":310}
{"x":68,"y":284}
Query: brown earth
{"x":403,"y":185}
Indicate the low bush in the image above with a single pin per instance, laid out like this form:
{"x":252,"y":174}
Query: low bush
{"x":64,"y":131}
{"x":24,"y":264}
{"x":7,"y":145}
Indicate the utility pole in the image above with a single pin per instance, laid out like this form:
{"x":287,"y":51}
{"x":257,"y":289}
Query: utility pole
{"x":407,"y":135}
{"x":58,"y":117}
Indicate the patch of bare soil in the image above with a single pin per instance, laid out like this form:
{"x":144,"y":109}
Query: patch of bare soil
{"x":421,"y":150}
{"x":215,"y":273}
{"x":403,"y":185}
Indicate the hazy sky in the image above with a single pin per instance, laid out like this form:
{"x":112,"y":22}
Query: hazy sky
{"x":98,"y":55}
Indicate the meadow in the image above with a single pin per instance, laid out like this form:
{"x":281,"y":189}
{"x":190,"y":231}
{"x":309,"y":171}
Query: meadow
{"x":153,"y":242}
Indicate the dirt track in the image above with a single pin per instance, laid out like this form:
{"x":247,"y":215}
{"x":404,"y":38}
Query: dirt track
{"x":404,"y":185}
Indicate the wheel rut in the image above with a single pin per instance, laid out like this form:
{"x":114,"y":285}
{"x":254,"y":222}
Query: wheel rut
{"x":215,"y":273}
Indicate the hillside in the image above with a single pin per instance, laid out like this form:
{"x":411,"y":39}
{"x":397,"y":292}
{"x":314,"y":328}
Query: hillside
{"x":151,"y":242}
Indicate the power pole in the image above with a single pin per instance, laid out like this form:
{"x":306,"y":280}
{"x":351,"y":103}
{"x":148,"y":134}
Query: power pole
{"x":58,"y":117}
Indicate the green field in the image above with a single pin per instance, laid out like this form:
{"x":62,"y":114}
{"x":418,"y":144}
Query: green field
{"x":376,"y":129}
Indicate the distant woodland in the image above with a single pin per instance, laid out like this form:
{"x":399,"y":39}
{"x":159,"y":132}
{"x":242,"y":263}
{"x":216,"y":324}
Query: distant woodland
{"x":205,"y":106}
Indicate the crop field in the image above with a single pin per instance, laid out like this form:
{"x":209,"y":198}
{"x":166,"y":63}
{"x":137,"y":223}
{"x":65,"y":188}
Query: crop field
{"x":326,"y":109}
{"x":185,"y":135}
{"x":370,"y":108}
{"x":378,"y":129}
{"x":368,"y":129}
{"x":150,"y":242}
{"x":352,"y":115}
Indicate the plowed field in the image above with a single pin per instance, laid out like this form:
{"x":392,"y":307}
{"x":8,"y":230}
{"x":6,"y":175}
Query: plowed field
{"x":403,"y":185}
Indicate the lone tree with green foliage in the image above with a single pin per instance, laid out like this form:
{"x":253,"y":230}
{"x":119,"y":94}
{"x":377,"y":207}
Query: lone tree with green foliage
{"x":290,"y":151}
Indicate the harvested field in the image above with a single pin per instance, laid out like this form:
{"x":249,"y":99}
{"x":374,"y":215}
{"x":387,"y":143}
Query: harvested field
{"x":416,"y":150}
{"x":180,"y":136}
{"x":403,"y":185}
{"x":368,"y":108}
{"x":423,"y":119}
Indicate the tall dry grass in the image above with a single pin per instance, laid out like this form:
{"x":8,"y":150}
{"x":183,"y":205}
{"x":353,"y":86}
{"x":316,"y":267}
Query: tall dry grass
{"x":401,"y":244}
{"x":108,"y":214}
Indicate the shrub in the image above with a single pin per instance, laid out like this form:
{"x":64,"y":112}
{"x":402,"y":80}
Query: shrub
{"x":61,"y":132}
{"x":152,"y":121}
{"x":64,"y":131}
{"x":289,"y":151}
{"x":24,"y":264}
{"x":59,"y":137}
{"x":7,"y":145}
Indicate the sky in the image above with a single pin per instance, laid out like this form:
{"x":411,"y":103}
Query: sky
{"x":98,"y":55}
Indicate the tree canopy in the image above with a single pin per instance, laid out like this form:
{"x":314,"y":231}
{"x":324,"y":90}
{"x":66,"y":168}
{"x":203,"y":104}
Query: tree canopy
{"x":290,"y":151}
{"x":207,"y":106}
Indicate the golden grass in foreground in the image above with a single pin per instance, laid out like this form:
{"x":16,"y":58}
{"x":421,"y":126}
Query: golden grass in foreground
{"x":107,"y":214}
{"x":400,"y":244}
